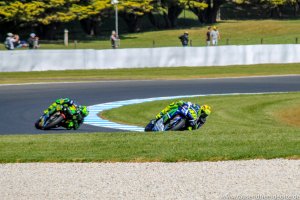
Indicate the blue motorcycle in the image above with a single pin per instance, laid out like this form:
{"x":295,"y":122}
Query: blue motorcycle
{"x":177,"y":123}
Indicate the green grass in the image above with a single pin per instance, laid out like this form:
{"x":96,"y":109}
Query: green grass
{"x":149,"y":73}
{"x":240,"y":127}
{"x":237,"y":32}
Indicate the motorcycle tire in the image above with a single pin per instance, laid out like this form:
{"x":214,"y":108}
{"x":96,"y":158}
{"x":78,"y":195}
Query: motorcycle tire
{"x":37,"y":124}
{"x":177,"y":127}
{"x":54,"y":122}
{"x":150,"y":125}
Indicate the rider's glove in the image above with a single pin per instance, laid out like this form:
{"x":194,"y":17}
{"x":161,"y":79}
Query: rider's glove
{"x":158,"y":116}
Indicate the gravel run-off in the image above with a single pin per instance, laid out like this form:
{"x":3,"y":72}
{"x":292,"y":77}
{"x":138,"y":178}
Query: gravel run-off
{"x":247,"y":179}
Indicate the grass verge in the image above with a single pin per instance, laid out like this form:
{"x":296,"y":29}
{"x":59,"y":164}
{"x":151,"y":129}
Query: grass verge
{"x":149,"y":73}
{"x":240,"y":127}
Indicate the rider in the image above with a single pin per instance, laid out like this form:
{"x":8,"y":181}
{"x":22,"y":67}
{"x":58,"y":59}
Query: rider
{"x":195,"y":114}
{"x":205,"y":110}
{"x":77,"y":112}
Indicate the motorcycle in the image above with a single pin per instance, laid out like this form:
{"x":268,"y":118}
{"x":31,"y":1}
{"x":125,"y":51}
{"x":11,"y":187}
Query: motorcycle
{"x":177,"y":123}
{"x":55,"y":120}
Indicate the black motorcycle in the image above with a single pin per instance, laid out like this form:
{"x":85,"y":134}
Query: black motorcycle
{"x":55,"y":120}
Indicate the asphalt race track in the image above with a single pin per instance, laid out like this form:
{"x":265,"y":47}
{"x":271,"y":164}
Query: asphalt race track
{"x":22,"y":105}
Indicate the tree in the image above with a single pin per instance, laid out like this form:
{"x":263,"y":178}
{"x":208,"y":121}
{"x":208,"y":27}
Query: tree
{"x":133,"y":10}
{"x":38,"y":11}
{"x":31,"y":13}
{"x":48,"y":13}
{"x":273,"y":7}
{"x":206,"y":10}
{"x":210,"y":13}
{"x":296,"y":6}
{"x":198,"y":7}
{"x":90,"y":13}
{"x":18,"y":12}
{"x":171,"y":9}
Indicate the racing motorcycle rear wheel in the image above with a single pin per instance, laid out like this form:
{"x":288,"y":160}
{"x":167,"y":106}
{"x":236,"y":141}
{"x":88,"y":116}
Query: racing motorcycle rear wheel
{"x":175,"y":124}
{"x":54,"y":121}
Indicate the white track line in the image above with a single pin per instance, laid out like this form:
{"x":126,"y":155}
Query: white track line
{"x":95,"y":120}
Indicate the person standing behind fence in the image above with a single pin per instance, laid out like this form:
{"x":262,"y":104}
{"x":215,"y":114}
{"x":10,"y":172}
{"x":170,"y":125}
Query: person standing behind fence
{"x":208,"y":36}
{"x":114,"y":39}
{"x":184,"y":39}
{"x":9,"y":41}
{"x":17,"y":42}
{"x":215,"y":36}
{"x":33,"y":41}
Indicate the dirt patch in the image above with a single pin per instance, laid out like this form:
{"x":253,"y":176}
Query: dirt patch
{"x":290,"y":116}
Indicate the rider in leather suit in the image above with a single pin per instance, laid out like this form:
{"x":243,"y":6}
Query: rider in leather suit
{"x":77,"y":112}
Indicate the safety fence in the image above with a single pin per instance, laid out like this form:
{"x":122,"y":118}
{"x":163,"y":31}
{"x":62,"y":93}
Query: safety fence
{"x":43,"y":60}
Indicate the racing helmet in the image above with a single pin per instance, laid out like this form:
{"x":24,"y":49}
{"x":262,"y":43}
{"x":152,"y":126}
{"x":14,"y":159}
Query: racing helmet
{"x":206,"y":110}
{"x":84,"y":111}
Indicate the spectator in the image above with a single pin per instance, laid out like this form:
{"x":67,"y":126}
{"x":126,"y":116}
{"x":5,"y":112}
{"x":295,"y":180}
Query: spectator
{"x":114,"y":38}
{"x":9,"y":41}
{"x":208,"y":36}
{"x":33,"y":41}
{"x":215,"y":36}
{"x":17,"y":42}
{"x":23,"y":43}
{"x":184,"y":39}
